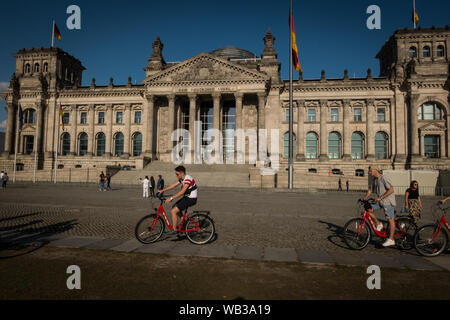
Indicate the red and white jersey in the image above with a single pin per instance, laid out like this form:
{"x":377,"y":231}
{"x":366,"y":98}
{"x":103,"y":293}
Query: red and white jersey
{"x":191,"y":191}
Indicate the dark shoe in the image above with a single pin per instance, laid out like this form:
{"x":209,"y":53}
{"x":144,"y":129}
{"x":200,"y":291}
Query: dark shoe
{"x":172,"y":233}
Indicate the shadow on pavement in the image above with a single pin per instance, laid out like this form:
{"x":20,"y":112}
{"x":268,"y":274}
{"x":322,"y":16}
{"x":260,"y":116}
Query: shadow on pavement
{"x":25,"y":238}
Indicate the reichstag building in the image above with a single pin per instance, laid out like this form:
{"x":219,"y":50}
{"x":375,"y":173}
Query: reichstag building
{"x":399,"y":119}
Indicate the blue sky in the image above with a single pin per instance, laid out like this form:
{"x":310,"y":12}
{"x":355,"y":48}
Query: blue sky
{"x":116,"y":37}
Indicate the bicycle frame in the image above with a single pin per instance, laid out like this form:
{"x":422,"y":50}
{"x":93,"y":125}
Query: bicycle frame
{"x":441,"y":222}
{"x":381,"y":234}
{"x":161,"y":211}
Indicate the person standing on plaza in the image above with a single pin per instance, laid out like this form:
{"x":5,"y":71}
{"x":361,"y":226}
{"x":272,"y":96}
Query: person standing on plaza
{"x":385,"y":199}
{"x":347,"y":185}
{"x":5,"y":179}
{"x":152,"y":186}
{"x":108,"y":180}
{"x":340,"y":185}
{"x":101,"y":183}
{"x":160,"y":184}
{"x":413,"y":202}
{"x":145,"y":186}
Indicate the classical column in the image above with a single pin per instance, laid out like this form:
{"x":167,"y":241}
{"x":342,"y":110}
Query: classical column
{"x":127,"y":134}
{"x":192,"y":118}
{"x":10,"y":134}
{"x":149,"y":125}
{"x":370,"y":135}
{"x":261,"y":111}
{"x":400,"y":123}
{"x":414,"y":134}
{"x":347,"y":141}
{"x":91,"y":134}
{"x":323,"y":130}
{"x":216,"y":98}
{"x":52,"y":129}
{"x":171,"y":123}
{"x":393,"y":131}
{"x":109,"y":123}
{"x":73,"y":130}
{"x":300,"y":130}
{"x":238,"y":96}
{"x":39,"y":126}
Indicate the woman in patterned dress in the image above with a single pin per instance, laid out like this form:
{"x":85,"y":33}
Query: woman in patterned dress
{"x":413,"y":202}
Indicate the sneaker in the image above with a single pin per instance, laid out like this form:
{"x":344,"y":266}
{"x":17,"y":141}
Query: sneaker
{"x":380,"y":227}
{"x":172,"y":233}
{"x":389,"y":243}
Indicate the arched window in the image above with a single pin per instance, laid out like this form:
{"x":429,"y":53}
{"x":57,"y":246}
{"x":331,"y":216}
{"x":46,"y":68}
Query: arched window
{"x":101,"y":143}
{"x":429,"y":111}
{"x":381,"y":145}
{"x":45,"y":69}
{"x":27,"y":68}
{"x":36,"y":67}
{"x":118,"y":144}
{"x":65,"y":145}
{"x":137,"y":144}
{"x":311,"y":145}
{"x":286,"y":145}
{"x":426,"y":52}
{"x":29,"y":116}
{"x":440,"y":51}
{"x":413,"y":52}
{"x":334,"y":145}
{"x":357,"y":145}
{"x":83,"y":144}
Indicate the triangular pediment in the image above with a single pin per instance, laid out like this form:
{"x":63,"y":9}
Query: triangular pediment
{"x":206,"y":67}
{"x":433,"y":126}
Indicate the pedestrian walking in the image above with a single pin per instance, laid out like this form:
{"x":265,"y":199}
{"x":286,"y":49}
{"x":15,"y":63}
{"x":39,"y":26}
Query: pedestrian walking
{"x":346,"y":185}
{"x":108,"y":181}
{"x":413,"y":202}
{"x":145,"y":186}
{"x":340,"y":185}
{"x":5,"y":179}
{"x":152,"y":186}
{"x":160,"y":184}
{"x":101,"y":183}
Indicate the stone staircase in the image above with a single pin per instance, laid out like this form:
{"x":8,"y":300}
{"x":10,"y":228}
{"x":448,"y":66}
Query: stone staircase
{"x":222,"y":176}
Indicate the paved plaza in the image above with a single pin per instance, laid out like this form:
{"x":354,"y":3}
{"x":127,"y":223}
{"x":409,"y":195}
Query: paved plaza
{"x":250,"y":224}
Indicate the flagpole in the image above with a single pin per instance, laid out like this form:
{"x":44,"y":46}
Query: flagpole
{"x":291,"y":113}
{"x":414,"y":13}
{"x":53,"y":33}
{"x":36,"y":147}
{"x":15,"y":147}
{"x":57,"y":148}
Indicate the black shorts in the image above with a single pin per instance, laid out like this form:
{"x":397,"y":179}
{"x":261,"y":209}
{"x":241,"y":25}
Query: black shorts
{"x":185,"y":203}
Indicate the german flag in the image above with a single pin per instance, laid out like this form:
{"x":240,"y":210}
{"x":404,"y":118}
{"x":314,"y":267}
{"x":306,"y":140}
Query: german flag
{"x":56,"y":32}
{"x":294,"y":49}
{"x":61,"y":115}
{"x":415,"y":17}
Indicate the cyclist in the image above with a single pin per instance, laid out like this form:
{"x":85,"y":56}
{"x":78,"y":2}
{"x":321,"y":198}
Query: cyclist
{"x":382,"y":186}
{"x":188,"y":193}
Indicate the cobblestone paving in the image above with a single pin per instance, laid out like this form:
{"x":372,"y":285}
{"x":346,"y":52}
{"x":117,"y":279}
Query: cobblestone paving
{"x":243,"y":217}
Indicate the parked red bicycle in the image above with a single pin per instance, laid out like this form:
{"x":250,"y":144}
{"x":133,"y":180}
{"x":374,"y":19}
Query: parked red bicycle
{"x":357,"y":231}
{"x":199,"y":228}
{"x":431,"y":240}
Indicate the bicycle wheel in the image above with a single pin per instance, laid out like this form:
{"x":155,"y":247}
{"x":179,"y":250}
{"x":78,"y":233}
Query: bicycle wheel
{"x":206,"y":232}
{"x":428,"y":242}
{"x":148,"y":229}
{"x":406,"y":226}
{"x":356,"y":236}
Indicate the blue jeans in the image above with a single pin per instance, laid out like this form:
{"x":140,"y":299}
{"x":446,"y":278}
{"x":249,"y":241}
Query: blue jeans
{"x":389,"y":211}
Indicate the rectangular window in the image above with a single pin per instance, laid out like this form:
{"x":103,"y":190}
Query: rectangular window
{"x":101,"y":117}
{"x":311,"y":115}
{"x":287,"y":114}
{"x":334,"y":115}
{"x":137,"y":117}
{"x":119,"y":117}
{"x":357,"y":114}
{"x":83,"y":118}
{"x":66,"y":117}
{"x":431,"y":146}
{"x":381,"y":114}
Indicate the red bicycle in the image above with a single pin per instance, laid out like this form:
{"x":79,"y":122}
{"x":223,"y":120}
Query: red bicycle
{"x":357,"y":234}
{"x":199,"y":228}
{"x":432,"y":239}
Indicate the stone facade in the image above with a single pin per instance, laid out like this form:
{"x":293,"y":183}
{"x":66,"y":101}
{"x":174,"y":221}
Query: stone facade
{"x":397,"y":120}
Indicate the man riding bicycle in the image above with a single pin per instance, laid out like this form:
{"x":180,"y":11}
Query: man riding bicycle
{"x":188,"y":193}
{"x":382,"y":186}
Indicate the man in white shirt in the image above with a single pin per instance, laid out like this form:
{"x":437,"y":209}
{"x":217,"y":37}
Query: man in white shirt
{"x":145,"y":184}
{"x":188,"y":193}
